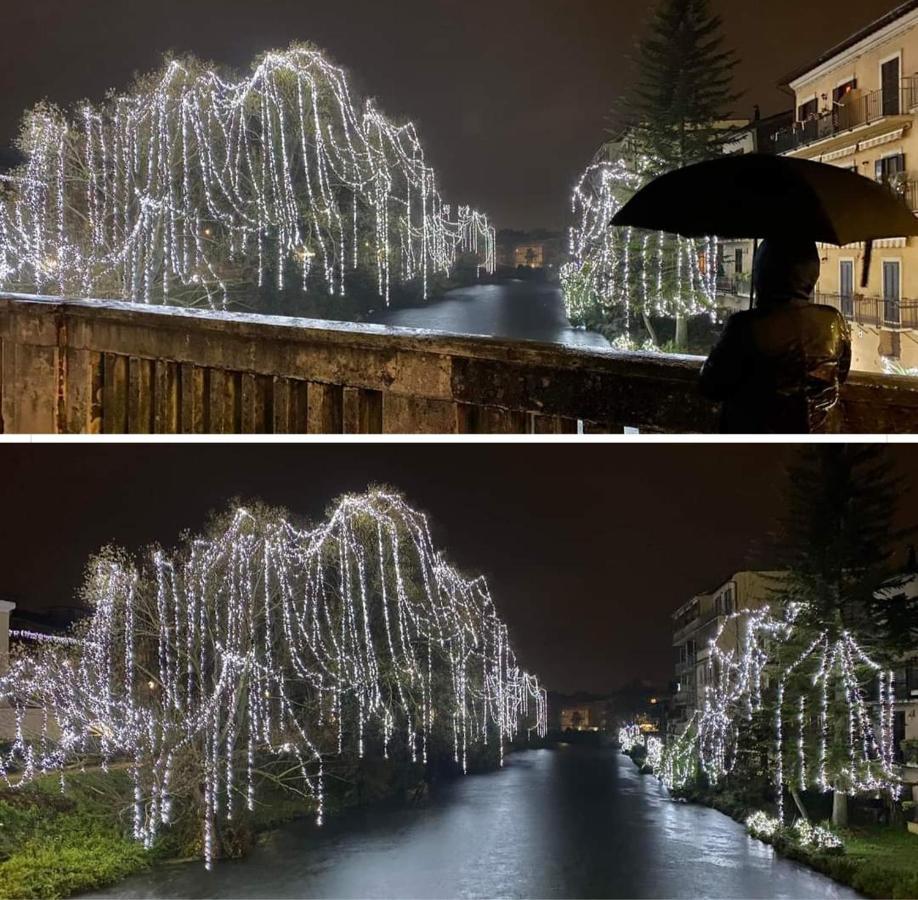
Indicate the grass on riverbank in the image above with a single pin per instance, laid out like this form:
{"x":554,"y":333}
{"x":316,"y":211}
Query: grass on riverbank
{"x":881,"y":861}
{"x":54,"y":844}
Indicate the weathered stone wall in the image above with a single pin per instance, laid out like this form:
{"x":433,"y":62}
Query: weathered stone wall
{"x":76,"y":366}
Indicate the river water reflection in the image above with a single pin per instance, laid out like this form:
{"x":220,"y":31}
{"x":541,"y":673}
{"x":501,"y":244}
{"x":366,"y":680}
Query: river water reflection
{"x":520,"y":310}
{"x":568,"y":822}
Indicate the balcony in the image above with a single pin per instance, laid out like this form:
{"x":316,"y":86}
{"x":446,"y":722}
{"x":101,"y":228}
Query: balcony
{"x":104,"y":367}
{"x":856,"y":112}
{"x":894,"y":315}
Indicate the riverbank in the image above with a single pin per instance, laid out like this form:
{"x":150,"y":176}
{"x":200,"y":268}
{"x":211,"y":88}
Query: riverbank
{"x":54,"y":844}
{"x":879,"y":861}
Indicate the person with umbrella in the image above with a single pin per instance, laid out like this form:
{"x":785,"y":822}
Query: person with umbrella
{"x":779,"y":367}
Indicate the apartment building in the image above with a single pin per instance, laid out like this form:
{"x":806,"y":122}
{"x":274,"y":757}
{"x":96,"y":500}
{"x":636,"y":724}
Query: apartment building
{"x":695,"y":626}
{"x":856,"y":107}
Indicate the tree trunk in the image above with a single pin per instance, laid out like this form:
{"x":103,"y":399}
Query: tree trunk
{"x":798,"y":800}
{"x":650,"y":329}
{"x":681,"y":341}
{"x":840,"y":809}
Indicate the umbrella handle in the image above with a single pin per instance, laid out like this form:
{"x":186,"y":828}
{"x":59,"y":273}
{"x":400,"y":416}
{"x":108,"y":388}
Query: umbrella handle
{"x":755,"y":253}
{"x":868,"y":258}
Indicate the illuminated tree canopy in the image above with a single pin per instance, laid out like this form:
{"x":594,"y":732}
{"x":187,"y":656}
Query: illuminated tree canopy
{"x":196,"y":182}
{"x":623,"y":275}
{"x":831,"y":708}
{"x":264,"y":641}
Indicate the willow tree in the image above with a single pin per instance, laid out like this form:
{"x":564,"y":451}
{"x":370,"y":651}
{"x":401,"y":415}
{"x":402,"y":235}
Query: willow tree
{"x":263,"y":651}
{"x":197,"y":181}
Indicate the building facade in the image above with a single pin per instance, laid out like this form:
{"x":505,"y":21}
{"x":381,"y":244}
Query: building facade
{"x":856,"y":108}
{"x":696,"y":625}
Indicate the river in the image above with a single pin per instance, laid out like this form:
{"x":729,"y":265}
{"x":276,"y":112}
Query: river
{"x":521,"y":310}
{"x":567,"y":822}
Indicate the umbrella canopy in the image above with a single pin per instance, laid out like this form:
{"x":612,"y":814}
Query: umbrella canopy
{"x":757,"y":195}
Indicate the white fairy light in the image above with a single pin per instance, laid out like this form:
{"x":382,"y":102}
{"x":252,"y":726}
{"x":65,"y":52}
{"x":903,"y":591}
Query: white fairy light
{"x":610,"y":269}
{"x":630,"y":736}
{"x":827,"y":666}
{"x":189,"y":180}
{"x":761,"y":825}
{"x":245,"y":645}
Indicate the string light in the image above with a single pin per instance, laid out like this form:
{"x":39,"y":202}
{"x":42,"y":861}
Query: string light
{"x":610,"y":270}
{"x":179,"y":188}
{"x":630,"y":736}
{"x":271,"y":641}
{"x":827,"y":667}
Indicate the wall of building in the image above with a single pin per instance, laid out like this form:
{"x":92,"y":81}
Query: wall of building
{"x":860,"y":148}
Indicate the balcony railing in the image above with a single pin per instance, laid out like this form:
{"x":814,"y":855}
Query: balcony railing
{"x":854,"y":112}
{"x":733,"y":286}
{"x":899,"y":315}
{"x":82,"y":366}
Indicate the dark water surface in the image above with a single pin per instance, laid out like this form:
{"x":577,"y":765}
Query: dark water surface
{"x":569,"y":822}
{"x":522,"y":310}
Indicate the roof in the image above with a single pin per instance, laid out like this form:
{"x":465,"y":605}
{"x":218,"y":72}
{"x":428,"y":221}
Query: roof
{"x":877,"y":25}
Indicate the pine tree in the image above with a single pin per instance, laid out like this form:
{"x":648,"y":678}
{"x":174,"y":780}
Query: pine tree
{"x":684,"y":86}
{"x":837,"y":545}
{"x":838,"y":538}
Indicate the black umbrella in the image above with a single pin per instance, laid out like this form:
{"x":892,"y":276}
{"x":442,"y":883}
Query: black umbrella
{"x":758,"y":195}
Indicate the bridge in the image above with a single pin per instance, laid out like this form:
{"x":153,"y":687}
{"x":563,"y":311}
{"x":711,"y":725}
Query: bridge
{"x":70,"y":366}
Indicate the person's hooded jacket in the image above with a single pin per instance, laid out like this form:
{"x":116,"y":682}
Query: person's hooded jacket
{"x":777,"y":369}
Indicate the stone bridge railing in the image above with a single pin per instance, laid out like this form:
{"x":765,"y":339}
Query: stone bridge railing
{"x":76,"y":366}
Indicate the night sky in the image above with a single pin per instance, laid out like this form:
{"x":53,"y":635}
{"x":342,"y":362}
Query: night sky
{"x":588,"y":549}
{"x":511,"y":96}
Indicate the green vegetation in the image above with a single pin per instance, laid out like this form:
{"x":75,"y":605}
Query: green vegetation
{"x":881,"y":861}
{"x":54,"y":844}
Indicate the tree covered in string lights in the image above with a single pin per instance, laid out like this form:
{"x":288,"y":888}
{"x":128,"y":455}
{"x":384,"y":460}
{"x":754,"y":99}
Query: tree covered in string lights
{"x":198,"y":185}
{"x":618,"y":280}
{"x":838,"y":542}
{"x":259,"y":654}
{"x":806,"y":692}
{"x":822,"y":709}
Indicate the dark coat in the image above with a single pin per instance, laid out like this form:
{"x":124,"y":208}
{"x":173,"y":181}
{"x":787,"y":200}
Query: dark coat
{"x":778,"y":369}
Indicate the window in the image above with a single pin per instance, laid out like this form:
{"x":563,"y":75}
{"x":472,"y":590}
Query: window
{"x":808,"y":110}
{"x":890,"y":169}
{"x":738,"y":261}
{"x":840,"y":94}
{"x":725,"y":603}
{"x":892,"y":291}
{"x":846,"y":287}
{"x":899,"y":736}
{"x":889,"y":81}
{"x":907,"y":683}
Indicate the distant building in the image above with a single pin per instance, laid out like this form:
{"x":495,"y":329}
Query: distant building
{"x":696,"y":624}
{"x":578,"y":712}
{"x":530,"y":249}
{"x":856,"y":108}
